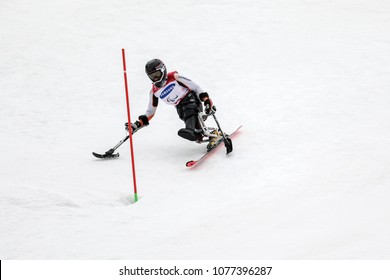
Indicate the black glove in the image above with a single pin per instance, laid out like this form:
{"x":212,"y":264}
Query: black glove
{"x":142,"y":121}
{"x":209,"y":107}
{"x":134,"y":126}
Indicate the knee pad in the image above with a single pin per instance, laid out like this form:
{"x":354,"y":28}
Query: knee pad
{"x":187,"y":110}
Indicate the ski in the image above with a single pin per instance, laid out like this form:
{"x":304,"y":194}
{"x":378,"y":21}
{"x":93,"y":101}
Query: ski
{"x":192,"y":163}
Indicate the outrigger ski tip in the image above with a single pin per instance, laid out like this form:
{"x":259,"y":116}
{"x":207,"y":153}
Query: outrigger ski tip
{"x":110,"y":153}
{"x":228,"y":145}
{"x":106,"y":155}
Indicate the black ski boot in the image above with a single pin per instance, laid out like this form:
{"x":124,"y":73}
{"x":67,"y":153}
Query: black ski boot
{"x":190,"y":132}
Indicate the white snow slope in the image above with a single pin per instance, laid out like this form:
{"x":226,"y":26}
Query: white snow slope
{"x":310,"y":173}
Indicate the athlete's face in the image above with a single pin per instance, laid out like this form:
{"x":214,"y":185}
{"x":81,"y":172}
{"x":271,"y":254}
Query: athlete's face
{"x":155,"y":76}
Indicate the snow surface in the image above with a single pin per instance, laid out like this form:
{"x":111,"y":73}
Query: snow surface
{"x":310,"y":173}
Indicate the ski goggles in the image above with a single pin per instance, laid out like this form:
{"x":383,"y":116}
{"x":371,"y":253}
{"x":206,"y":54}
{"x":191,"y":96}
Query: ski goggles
{"x":157,"y":75}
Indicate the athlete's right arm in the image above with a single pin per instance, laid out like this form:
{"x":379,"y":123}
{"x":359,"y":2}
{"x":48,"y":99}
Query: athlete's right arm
{"x":152,"y":106}
{"x":143,"y":120}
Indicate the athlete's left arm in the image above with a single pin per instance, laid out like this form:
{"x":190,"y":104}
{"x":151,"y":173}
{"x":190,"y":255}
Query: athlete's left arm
{"x":188,"y":83}
{"x":203,"y":96}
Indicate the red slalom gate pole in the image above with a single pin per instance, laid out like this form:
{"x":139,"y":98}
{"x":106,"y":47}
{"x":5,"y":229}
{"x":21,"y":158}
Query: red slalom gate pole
{"x":129,"y":121}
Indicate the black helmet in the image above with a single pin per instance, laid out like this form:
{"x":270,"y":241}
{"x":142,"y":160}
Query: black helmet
{"x":156,"y":71}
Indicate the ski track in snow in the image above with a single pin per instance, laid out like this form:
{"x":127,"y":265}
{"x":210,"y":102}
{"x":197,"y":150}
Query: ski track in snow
{"x":309,"y":174}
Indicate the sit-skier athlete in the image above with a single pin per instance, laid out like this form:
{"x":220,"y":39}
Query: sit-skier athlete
{"x":186,"y":96}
